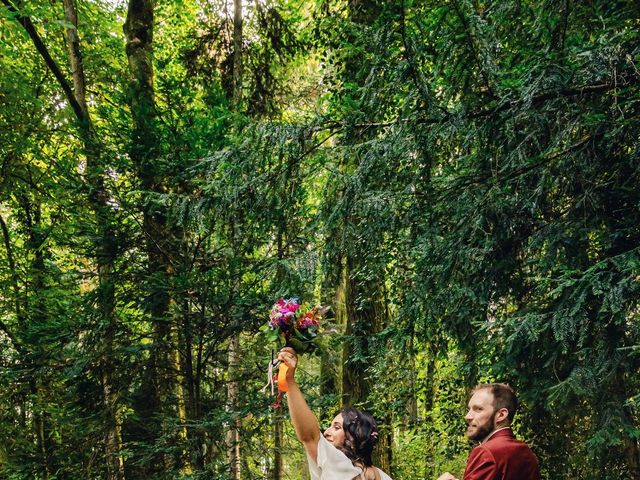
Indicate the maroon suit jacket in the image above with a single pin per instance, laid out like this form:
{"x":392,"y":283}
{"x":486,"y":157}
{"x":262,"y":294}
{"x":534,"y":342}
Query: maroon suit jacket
{"x":502,"y":457}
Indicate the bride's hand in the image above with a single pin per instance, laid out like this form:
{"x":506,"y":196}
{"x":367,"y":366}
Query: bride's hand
{"x":288,"y":356}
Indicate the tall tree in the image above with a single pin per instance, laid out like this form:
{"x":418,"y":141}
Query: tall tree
{"x":98,"y":197}
{"x":105,"y":252}
{"x":359,"y":280}
{"x":235,"y":241}
{"x":161,"y":394}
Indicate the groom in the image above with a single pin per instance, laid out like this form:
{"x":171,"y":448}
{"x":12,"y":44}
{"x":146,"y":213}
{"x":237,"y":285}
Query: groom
{"x":499,"y":456}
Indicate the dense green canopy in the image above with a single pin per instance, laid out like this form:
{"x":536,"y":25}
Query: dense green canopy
{"x":457,"y":179}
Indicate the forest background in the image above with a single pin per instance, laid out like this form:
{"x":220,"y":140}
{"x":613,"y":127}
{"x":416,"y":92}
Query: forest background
{"x":457,"y":179}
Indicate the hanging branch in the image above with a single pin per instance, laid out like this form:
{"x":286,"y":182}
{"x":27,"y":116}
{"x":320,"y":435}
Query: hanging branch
{"x":482,"y":113}
{"x":30,"y":28}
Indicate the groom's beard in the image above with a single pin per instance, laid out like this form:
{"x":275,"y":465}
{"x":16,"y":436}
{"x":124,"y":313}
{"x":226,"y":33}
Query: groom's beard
{"x":476,"y":432}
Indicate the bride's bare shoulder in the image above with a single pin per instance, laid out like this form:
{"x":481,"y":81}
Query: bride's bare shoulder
{"x":372,"y":474}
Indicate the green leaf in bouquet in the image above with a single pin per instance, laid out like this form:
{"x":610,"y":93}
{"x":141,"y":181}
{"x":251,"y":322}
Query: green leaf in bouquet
{"x":272,"y":334}
{"x":266,"y":329}
{"x":300,"y":346}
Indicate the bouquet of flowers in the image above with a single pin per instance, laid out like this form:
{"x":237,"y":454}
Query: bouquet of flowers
{"x":297,"y":325}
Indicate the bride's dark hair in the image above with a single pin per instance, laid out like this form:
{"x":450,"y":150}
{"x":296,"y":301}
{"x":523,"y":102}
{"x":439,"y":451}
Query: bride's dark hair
{"x":360,"y":435}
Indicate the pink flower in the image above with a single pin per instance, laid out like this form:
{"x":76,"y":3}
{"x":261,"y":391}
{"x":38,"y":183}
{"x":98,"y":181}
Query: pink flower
{"x":295,"y":322}
{"x":283,"y":313}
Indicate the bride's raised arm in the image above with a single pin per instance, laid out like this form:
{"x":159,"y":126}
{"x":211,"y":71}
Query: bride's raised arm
{"x":304,"y":421}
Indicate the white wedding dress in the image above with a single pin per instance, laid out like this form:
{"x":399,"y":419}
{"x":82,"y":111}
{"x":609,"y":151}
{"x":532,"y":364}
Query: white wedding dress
{"x":335,"y":465}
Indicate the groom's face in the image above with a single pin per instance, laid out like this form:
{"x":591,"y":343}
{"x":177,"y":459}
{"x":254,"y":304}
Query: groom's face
{"x":481,"y":415}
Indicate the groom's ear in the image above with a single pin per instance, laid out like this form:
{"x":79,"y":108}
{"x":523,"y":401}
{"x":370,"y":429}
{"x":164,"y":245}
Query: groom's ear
{"x":502,"y":415}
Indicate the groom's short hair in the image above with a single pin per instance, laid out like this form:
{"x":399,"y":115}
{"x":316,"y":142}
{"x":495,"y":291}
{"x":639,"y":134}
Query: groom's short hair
{"x":503,"y":397}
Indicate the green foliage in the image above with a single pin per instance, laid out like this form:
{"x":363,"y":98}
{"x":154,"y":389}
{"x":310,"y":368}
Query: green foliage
{"x":463,"y":173}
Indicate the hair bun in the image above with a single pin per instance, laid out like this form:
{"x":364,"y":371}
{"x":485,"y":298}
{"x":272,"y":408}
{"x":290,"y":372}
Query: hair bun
{"x":361,"y":435}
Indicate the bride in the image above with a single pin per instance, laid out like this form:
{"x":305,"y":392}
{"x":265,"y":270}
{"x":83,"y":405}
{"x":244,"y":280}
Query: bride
{"x":343,"y":452}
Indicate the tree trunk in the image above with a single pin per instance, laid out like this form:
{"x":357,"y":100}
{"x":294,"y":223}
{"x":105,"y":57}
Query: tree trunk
{"x":330,"y":364}
{"x":237,"y":54}
{"x":630,"y":444}
{"x":158,"y":387}
{"x":104,"y":250}
{"x":188,"y":409}
{"x":75,"y":56}
{"x":383,"y":453}
{"x":186,"y":467}
{"x":233,"y":391}
{"x":233,"y":398}
{"x":412,"y":401}
{"x":277,"y":446}
{"x":364,"y":299}
{"x":37,"y":314}
{"x":365,"y":316}
{"x":112,"y":434}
